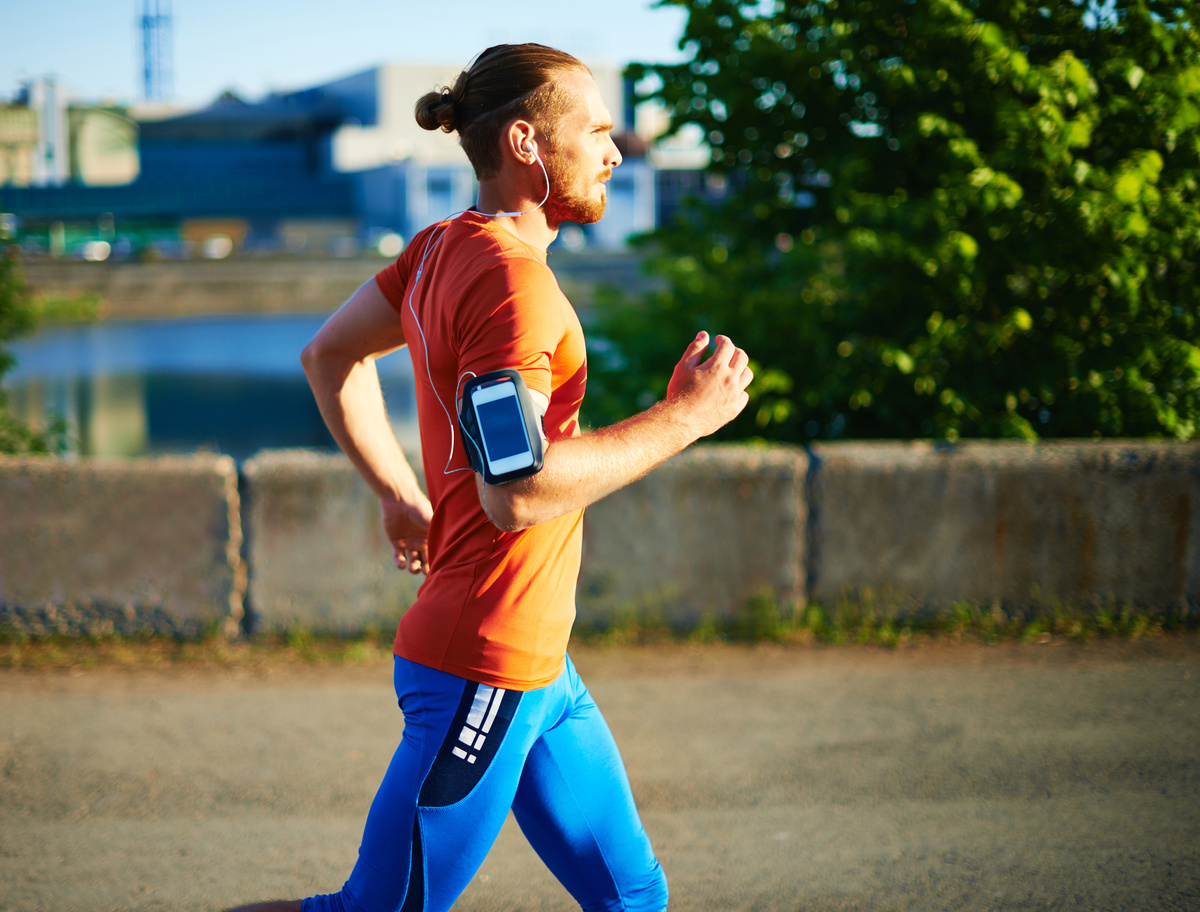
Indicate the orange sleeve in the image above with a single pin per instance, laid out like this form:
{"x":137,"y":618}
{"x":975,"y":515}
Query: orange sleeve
{"x":517,"y":323}
{"x":393,"y":279}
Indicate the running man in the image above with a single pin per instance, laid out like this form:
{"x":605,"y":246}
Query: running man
{"x":495,"y":716}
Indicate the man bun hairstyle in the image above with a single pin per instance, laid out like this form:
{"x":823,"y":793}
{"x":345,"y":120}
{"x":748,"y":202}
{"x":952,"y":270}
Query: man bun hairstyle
{"x":504,"y":82}
{"x":436,"y":110}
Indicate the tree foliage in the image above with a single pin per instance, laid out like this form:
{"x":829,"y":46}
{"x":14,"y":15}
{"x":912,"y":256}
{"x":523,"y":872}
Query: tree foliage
{"x":16,"y":318}
{"x":945,"y":218}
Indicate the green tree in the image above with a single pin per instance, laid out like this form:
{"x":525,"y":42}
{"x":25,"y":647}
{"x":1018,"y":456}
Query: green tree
{"x":945,"y":218}
{"x":16,"y":318}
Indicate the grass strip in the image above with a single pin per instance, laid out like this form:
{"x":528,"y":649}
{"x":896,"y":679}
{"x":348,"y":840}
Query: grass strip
{"x":761,"y":619}
{"x":864,"y":620}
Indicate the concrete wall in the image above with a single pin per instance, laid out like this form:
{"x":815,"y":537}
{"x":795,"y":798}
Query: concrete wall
{"x":1089,"y":524}
{"x":316,"y":550}
{"x":92,"y":547}
{"x":697,"y":537}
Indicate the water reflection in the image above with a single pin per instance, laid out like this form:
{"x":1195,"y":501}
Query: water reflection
{"x":227,"y":384}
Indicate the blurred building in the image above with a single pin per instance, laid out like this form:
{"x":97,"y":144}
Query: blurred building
{"x":327,"y":170}
{"x":47,"y":142}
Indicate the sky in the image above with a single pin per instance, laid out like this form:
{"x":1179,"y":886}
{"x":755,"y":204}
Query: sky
{"x":253,"y":47}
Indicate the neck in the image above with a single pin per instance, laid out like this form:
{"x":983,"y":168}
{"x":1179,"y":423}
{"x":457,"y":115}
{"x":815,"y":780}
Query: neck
{"x":533,"y":228}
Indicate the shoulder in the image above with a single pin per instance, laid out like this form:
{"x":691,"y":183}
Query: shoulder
{"x":499,"y":246}
{"x":393,"y":278}
{"x":525,"y":275}
{"x":504,"y":268}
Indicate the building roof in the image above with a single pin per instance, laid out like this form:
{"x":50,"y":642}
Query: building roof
{"x":297,"y":114}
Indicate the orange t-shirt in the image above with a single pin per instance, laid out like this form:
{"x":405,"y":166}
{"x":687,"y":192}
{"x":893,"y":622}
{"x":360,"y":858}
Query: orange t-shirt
{"x":497,"y":607}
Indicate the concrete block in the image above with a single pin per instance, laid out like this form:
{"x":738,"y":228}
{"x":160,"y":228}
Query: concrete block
{"x":1088,"y":524}
{"x":317,"y":553}
{"x":697,"y":537}
{"x":99,"y":546}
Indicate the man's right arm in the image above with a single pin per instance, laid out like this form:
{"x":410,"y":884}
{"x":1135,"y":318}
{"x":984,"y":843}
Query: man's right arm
{"x":340,"y":365}
{"x":703,"y":395}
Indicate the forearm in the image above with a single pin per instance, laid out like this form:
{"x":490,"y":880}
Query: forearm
{"x":340,"y":366}
{"x":351,"y":403}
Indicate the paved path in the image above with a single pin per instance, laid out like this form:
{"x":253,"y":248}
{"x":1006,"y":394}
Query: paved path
{"x":938,"y":777}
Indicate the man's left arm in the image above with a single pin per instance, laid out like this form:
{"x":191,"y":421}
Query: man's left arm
{"x":703,"y":396}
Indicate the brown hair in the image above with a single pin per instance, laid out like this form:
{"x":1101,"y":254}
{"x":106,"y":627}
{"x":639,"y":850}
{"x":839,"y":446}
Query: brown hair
{"x":504,"y":82}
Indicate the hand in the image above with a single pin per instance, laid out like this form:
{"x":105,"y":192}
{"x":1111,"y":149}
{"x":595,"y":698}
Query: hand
{"x":407,"y":528}
{"x":712,"y":392}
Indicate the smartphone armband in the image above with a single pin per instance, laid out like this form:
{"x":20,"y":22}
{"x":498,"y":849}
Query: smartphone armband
{"x":500,"y":427}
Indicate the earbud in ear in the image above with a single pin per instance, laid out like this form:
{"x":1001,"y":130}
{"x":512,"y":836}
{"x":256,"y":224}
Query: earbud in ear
{"x":528,"y":146}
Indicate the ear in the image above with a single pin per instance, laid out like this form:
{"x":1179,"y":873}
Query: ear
{"x":520,"y":141}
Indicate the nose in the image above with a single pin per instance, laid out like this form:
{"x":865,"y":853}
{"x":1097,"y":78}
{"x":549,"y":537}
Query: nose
{"x":614,"y":155}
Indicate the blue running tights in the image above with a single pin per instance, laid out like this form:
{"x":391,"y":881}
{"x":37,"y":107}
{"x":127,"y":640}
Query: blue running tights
{"x":471,"y":752}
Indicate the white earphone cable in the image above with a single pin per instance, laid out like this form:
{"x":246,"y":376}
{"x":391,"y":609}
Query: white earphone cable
{"x":431,"y":244}
{"x":537,"y":158}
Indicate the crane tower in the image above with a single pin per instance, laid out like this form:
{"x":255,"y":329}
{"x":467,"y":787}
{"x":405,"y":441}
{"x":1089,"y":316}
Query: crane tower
{"x":155,"y":23}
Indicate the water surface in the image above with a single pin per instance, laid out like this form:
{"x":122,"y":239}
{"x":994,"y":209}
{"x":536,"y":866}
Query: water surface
{"x":225,"y":384}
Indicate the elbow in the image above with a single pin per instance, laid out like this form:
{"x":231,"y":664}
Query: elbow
{"x":314,"y":354}
{"x":310,"y":355}
{"x":319,"y":358}
{"x":510,"y":510}
{"x":508,"y":524}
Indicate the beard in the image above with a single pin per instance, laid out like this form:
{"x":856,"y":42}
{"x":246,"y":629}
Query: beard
{"x":568,"y":200}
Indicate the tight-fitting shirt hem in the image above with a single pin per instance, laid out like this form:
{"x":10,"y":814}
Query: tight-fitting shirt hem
{"x":482,"y":677}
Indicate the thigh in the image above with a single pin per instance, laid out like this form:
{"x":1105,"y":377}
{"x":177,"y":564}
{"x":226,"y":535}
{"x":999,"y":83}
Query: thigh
{"x":445,"y":795}
{"x":575,"y":807}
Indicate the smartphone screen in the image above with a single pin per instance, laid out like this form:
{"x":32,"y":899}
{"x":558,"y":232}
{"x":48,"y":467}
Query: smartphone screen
{"x":502,"y":427}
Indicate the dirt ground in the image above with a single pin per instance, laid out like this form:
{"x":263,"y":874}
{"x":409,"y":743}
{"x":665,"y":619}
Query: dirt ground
{"x":940,"y":776}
